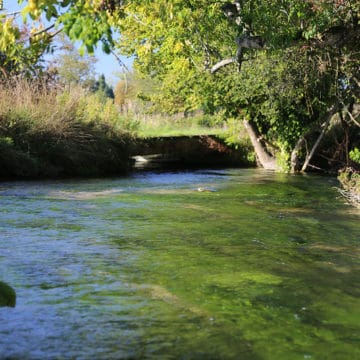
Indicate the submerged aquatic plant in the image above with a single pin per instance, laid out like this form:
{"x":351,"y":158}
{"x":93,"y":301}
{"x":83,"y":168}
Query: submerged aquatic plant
{"x":7,"y":295}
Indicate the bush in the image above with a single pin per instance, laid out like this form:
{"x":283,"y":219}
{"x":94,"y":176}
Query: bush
{"x":236,"y":136}
{"x":355,"y":155}
{"x":45,"y":132}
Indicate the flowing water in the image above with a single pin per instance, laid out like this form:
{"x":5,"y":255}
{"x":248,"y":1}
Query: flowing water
{"x":256,"y":266}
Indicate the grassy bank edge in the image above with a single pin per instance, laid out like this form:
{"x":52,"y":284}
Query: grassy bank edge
{"x":48,"y":132}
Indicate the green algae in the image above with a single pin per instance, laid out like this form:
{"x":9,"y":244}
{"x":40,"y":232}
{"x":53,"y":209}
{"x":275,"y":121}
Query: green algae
{"x":266,"y":267}
{"x":249,"y":256}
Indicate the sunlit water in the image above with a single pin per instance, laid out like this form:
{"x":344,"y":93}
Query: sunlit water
{"x":262,"y":266}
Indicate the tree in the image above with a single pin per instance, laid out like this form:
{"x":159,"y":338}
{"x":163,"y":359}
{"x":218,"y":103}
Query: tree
{"x":87,"y":21}
{"x":21,"y":47}
{"x":180,"y":42}
{"x":103,"y":88}
{"x":134,"y":93}
{"x":73,"y":68}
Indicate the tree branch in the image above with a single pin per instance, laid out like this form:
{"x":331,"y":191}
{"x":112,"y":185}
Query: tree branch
{"x":352,"y":117}
{"x":250,"y":42}
{"x":43,"y":30}
{"x":221,"y":64}
{"x":243,"y":42}
{"x":15,"y":13}
{"x":330,"y":114}
{"x":56,"y":33}
{"x":117,"y":57}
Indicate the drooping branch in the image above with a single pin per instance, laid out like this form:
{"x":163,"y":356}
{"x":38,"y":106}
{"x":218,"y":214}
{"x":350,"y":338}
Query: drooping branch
{"x":121,"y":63}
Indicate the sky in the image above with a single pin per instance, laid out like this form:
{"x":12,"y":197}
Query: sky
{"x":106,"y":64}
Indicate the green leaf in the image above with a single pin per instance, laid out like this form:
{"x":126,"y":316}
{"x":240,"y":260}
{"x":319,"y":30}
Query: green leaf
{"x":106,"y":48}
{"x":51,"y":12}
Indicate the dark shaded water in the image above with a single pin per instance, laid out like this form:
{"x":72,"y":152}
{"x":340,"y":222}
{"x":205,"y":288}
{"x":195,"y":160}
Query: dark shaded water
{"x":266,"y":266}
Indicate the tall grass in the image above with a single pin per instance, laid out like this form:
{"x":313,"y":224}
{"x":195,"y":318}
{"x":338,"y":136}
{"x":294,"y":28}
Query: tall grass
{"x":46,"y":132}
{"x":157,"y":125}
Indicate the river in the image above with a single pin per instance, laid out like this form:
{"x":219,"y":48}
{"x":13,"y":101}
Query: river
{"x":256,"y":265}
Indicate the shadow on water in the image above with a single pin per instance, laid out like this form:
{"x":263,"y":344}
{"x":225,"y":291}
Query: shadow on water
{"x":265,"y":266}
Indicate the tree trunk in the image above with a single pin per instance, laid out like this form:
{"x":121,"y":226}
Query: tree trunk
{"x":330,"y":114}
{"x":294,"y":161}
{"x":265,"y":159}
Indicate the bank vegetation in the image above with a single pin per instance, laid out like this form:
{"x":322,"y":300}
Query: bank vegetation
{"x":284,"y":72}
{"x":49,"y":131}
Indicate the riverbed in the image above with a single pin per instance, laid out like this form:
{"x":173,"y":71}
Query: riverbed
{"x":204,"y":264}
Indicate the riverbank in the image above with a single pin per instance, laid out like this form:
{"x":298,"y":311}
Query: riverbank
{"x":51,"y":133}
{"x":47,"y":131}
{"x":93,"y":150}
{"x":197,"y":151}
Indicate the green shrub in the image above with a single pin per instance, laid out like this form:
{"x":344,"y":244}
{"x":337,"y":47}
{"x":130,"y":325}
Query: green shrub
{"x":355,"y":155}
{"x":6,"y":142}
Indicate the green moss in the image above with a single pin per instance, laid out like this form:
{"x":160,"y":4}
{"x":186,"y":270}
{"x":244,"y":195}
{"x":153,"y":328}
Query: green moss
{"x":7,"y":295}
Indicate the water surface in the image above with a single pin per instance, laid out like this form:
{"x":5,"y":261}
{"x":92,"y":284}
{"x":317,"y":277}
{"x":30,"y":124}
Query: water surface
{"x":258,"y":266}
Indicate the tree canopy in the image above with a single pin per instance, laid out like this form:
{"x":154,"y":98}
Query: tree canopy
{"x":284,"y":66}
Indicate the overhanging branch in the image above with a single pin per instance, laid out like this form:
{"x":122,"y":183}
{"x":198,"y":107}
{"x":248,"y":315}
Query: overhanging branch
{"x":245,"y":41}
{"x":221,"y":64}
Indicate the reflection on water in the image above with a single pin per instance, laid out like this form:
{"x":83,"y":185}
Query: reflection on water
{"x":264,"y":267}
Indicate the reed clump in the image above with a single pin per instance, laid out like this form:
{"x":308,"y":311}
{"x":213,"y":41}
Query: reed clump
{"x":46,"y":131}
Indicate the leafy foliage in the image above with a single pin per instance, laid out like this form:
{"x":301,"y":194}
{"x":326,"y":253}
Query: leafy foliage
{"x":71,"y":67}
{"x":103,"y":88}
{"x":21,"y":48}
{"x":355,"y":155}
{"x":306,"y":61}
{"x":309,"y":62}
